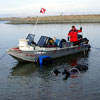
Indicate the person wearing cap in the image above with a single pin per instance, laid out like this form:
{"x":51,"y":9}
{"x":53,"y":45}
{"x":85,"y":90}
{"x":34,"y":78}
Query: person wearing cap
{"x":73,"y":34}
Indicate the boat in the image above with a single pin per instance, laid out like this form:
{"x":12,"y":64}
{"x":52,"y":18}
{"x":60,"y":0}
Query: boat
{"x":29,"y":51}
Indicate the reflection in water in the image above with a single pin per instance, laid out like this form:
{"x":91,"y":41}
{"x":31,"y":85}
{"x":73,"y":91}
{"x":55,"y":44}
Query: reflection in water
{"x":26,"y":69}
{"x":72,"y":60}
{"x":23,"y":69}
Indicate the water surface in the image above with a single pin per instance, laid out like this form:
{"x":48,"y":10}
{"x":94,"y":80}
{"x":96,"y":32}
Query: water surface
{"x":27,"y":81}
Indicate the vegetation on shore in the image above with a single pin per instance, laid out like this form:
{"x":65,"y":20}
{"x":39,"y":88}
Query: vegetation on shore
{"x":54,"y":19}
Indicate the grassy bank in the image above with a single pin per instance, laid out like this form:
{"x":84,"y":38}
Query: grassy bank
{"x":54,"y":19}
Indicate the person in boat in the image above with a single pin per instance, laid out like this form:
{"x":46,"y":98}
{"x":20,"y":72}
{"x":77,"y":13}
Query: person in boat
{"x":56,"y":42}
{"x":73,"y":35}
{"x":50,"y":43}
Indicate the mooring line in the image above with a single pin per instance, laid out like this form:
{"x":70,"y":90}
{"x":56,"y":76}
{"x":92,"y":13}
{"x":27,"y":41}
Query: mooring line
{"x":95,"y":48}
{"x":2,"y":56}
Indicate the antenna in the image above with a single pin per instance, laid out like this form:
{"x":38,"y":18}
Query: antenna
{"x":80,"y":22}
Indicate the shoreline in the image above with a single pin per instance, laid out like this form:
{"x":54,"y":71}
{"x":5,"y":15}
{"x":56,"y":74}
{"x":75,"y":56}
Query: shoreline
{"x":53,"y":19}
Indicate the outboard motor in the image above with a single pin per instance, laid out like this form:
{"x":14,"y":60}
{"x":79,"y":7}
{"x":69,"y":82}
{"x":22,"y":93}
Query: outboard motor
{"x":85,"y":40}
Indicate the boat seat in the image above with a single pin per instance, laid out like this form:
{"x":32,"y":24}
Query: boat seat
{"x":61,"y":42}
{"x":57,"y":42}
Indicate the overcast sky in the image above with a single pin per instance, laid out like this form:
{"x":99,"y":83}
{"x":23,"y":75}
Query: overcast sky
{"x":53,"y":7}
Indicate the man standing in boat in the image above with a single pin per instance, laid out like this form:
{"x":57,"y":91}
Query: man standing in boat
{"x":73,"y":35}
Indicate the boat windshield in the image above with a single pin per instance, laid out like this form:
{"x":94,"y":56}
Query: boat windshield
{"x":43,"y":42}
{"x":30,"y":37}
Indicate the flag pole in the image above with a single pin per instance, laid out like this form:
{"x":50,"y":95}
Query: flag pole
{"x":41,"y":11}
{"x":35,"y":25}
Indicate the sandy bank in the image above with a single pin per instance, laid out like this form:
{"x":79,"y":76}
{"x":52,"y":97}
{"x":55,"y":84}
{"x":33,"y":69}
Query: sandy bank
{"x":54,"y":19}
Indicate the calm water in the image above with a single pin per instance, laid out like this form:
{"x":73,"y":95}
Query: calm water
{"x":26,"y":81}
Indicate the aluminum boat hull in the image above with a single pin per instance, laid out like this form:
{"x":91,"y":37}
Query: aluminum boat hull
{"x":33,"y":56}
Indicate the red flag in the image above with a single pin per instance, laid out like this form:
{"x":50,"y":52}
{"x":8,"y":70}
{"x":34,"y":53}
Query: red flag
{"x":42,"y":10}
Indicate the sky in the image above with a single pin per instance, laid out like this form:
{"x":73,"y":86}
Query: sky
{"x":15,"y":8}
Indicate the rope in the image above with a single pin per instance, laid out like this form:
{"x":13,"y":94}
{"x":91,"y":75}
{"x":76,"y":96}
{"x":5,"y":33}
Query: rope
{"x":95,"y":48}
{"x":2,"y":56}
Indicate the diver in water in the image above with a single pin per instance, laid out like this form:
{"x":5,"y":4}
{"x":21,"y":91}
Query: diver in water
{"x":72,"y":72}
